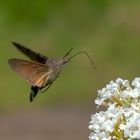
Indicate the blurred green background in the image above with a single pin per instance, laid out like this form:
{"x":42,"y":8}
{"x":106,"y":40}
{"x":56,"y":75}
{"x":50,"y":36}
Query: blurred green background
{"x":108,"y":30}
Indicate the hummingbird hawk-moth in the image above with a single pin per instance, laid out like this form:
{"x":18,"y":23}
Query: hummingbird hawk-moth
{"x":42,"y":71}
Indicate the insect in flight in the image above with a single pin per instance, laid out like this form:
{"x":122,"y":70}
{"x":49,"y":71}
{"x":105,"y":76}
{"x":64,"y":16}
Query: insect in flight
{"x":42,"y":71}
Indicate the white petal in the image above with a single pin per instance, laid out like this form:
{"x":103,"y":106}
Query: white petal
{"x":136,"y":82}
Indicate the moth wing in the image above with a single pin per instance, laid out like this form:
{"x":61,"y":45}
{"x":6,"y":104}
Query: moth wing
{"x":35,"y":73}
{"x":31,"y":54}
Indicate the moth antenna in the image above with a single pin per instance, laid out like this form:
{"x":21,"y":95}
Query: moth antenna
{"x":85,"y":54}
{"x":68,"y":53}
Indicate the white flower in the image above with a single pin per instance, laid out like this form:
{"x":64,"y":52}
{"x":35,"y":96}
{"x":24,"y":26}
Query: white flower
{"x":136,"y":82}
{"x":121,"y":120}
{"x":119,"y":81}
{"x":125,"y":83}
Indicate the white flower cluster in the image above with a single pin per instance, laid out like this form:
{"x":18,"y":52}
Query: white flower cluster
{"x":121,"y":120}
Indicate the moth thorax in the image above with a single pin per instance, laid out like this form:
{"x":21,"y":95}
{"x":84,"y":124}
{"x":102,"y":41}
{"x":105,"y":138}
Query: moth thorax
{"x":54,"y":62}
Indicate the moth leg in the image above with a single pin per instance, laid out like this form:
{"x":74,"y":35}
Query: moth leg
{"x":47,"y":88}
{"x":33,"y":93}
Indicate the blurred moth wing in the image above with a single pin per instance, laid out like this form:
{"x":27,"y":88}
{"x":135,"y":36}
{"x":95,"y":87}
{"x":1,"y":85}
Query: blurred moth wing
{"x":31,"y":54}
{"x":36,"y":74}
